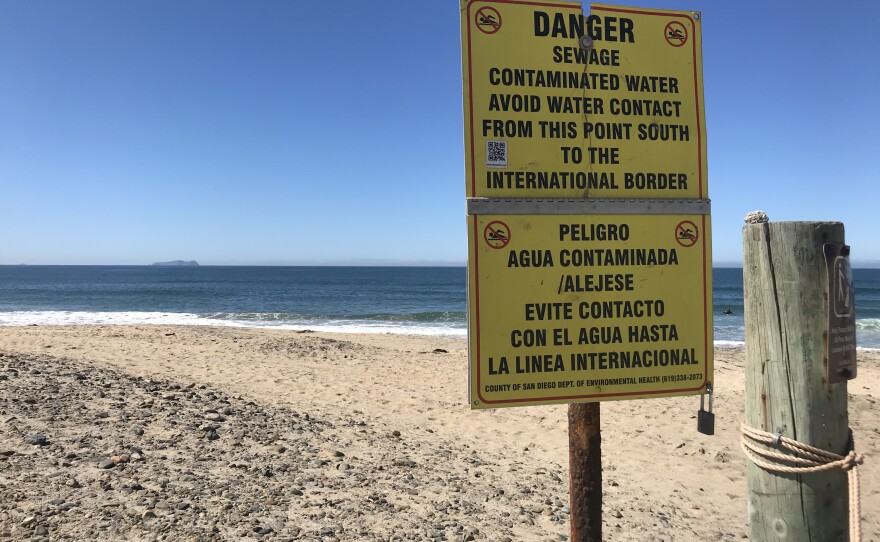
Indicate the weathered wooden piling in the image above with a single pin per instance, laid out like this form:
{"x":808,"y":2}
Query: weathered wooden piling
{"x":787,"y":391}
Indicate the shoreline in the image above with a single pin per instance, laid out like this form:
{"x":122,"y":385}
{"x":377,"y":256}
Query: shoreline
{"x":659,"y":474}
{"x":83,"y":318}
{"x":459,"y":334}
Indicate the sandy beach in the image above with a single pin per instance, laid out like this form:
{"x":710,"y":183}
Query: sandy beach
{"x":220,"y":433}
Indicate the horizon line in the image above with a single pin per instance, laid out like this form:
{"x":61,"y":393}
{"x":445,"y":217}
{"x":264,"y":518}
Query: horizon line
{"x":867,"y":264}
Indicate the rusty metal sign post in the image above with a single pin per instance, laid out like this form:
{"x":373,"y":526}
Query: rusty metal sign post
{"x":585,"y":471}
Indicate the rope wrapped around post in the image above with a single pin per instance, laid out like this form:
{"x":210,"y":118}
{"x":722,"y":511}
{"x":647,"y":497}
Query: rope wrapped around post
{"x":807,"y":460}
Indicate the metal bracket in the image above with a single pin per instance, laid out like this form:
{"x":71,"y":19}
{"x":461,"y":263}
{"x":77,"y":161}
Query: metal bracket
{"x":777,"y":440}
{"x":572,"y":206}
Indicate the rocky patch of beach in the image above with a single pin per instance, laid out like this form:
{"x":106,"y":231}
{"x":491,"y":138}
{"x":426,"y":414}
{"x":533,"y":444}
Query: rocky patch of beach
{"x":88,"y":453}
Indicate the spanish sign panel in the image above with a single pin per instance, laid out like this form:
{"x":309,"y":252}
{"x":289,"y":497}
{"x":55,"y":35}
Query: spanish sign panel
{"x":617,"y":115}
{"x":569,"y":308}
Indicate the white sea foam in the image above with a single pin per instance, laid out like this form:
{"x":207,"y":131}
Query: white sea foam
{"x":69,"y":318}
{"x":866,"y":332}
{"x":868,"y":323}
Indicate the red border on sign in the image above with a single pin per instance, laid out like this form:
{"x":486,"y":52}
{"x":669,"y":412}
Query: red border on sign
{"x":473,"y":192}
{"x":470,"y":68}
{"x":693,"y":27}
{"x":577,"y":7}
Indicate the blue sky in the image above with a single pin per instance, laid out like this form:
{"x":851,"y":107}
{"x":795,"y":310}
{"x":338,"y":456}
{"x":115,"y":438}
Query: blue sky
{"x":313,"y":132}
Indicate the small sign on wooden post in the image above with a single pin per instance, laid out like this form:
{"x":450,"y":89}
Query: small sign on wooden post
{"x":840,"y":345}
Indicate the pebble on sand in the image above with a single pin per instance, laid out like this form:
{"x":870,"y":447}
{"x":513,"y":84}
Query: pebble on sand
{"x":37,"y":439}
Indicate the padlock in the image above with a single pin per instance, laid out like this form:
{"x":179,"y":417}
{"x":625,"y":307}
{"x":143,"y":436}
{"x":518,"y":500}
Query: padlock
{"x":706,"y":419}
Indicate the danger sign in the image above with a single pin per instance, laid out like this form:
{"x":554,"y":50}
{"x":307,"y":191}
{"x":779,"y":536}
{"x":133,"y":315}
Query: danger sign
{"x":589,"y":230}
{"x":544,"y":117}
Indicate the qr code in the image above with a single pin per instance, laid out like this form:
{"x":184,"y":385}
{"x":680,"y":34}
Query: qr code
{"x":496,"y":153}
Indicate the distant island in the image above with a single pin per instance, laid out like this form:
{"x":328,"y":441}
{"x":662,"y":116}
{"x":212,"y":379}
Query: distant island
{"x":177,"y":263}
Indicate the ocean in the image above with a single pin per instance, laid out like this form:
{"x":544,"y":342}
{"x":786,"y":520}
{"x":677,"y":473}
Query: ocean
{"x":409,"y":300}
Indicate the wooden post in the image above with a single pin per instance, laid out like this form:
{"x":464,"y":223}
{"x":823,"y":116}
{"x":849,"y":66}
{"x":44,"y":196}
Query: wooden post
{"x":784,"y":282}
{"x":585,"y":472}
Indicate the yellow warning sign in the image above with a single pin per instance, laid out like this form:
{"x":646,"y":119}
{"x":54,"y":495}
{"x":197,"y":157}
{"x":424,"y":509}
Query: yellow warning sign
{"x":569,"y":308}
{"x":565,"y":105}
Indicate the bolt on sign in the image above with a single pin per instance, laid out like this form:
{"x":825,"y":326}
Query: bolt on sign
{"x":562,"y":105}
{"x":589,"y":235}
